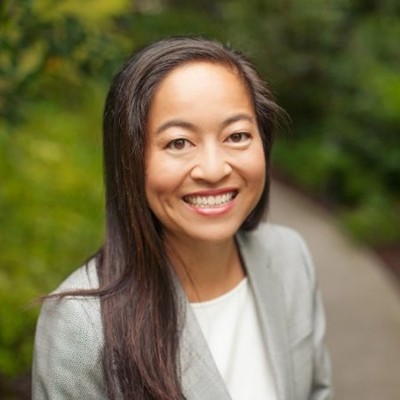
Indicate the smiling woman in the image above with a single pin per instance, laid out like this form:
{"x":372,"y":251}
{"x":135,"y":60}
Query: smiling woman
{"x":191,"y":296}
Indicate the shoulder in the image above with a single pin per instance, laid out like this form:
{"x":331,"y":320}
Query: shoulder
{"x":279,"y":249}
{"x":274,"y":242}
{"x":69,"y":339}
{"x":266,"y":231}
{"x":68,"y":311}
{"x":62,"y":306}
{"x":84,"y":278}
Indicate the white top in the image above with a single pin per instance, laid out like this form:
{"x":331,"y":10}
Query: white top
{"x":232,"y":330}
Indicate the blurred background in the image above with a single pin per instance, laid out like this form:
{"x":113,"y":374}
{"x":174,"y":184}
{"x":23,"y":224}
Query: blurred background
{"x":334,"y":66}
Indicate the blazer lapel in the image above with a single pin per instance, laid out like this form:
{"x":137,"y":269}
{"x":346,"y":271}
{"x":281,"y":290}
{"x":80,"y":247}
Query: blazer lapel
{"x":269,"y":297}
{"x":200,"y":376}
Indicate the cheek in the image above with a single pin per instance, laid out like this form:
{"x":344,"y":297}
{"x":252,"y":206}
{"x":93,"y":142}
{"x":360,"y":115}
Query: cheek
{"x":155,"y":186}
{"x":258,"y":176}
{"x":256,"y":167}
{"x":161,"y":181}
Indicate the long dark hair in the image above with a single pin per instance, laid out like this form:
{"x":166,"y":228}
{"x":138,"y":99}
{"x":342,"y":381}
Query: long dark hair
{"x":140,"y":307}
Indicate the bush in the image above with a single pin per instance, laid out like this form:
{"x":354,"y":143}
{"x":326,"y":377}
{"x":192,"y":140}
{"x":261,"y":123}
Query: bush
{"x":51,"y":212}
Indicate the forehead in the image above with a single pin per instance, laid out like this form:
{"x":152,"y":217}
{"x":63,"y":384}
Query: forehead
{"x":190,"y":72}
{"x":197,"y":85}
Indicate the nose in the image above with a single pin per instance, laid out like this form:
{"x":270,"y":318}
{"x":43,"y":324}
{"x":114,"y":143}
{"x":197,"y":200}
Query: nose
{"x":211,"y":165}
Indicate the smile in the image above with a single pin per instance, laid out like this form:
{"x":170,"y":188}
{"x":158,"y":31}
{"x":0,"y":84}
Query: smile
{"x":210,"y":201}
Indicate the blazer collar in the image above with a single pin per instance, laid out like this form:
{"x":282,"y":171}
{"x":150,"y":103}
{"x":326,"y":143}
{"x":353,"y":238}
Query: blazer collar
{"x":259,"y":257}
{"x":200,"y":376}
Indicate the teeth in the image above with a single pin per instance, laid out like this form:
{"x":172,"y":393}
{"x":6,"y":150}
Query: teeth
{"x":210,"y":201}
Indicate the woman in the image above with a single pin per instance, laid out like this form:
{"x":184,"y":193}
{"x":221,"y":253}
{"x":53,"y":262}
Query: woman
{"x":191,"y":295}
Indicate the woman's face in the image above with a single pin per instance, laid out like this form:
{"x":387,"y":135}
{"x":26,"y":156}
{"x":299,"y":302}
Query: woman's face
{"x":205,"y":167}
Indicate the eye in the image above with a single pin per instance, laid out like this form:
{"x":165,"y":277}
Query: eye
{"x":179,"y":144}
{"x":238,"y":137}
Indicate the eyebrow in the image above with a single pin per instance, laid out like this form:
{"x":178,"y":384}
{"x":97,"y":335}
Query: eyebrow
{"x":178,"y":123}
{"x":238,"y":117}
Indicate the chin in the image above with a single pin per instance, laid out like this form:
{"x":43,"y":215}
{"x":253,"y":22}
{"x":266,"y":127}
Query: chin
{"x":213,"y":234}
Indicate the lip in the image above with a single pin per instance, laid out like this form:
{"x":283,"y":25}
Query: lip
{"x":211,"y":192}
{"x":212,"y":209}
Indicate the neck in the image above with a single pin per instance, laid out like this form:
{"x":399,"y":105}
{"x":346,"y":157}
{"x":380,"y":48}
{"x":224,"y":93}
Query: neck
{"x":206,"y":269}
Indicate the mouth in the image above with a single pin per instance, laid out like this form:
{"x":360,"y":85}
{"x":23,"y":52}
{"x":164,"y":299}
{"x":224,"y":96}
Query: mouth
{"x":210,"y":201}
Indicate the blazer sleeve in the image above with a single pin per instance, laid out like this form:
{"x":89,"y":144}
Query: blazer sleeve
{"x":322,"y":375}
{"x":67,"y":352}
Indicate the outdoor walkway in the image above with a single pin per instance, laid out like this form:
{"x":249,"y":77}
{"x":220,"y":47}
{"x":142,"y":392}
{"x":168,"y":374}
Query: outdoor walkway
{"x":362,"y":301}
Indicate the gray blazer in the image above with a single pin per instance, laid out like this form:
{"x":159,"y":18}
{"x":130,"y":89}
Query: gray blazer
{"x":69,"y":339}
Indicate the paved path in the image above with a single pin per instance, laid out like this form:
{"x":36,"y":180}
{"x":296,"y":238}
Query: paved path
{"x":362,"y":301}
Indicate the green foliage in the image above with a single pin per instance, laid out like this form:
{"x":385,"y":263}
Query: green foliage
{"x":43,"y":44}
{"x":376,"y":220}
{"x":51,"y":212}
